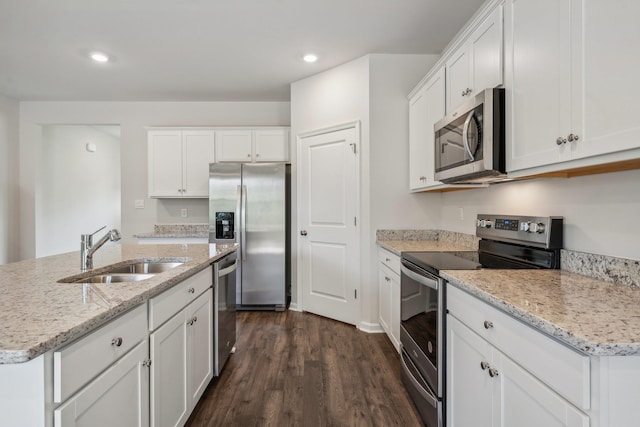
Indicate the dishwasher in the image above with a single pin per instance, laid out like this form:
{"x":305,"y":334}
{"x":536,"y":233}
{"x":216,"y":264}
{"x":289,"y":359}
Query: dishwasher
{"x":224,"y":316}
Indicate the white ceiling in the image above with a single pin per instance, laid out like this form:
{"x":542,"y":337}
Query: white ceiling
{"x":204,"y":50}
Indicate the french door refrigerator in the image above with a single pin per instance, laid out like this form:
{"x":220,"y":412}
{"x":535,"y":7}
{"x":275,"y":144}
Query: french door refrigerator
{"x":249,"y":203}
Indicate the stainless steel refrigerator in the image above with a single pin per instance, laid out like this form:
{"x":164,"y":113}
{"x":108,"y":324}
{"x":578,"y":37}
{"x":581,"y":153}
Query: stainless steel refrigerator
{"x":249,"y":203}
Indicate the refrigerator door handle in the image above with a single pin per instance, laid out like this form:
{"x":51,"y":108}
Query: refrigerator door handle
{"x":243,"y":223}
{"x":237,"y":223}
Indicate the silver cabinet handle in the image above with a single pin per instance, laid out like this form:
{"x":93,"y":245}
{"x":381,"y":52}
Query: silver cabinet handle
{"x":146,"y":363}
{"x":561,"y":140}
{"x":191,"y":290}
{"x":493,"y":372}
{"x":303,"y":232}
{"x":484,"y":365}
{"x":116,"y":341}
{"x":488,"y":324}
{"x":387,"y":279}
{"x":572,"y":137}
{"x":195,"y":319}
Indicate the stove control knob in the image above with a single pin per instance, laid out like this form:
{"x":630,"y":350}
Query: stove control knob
{"x":536,"y":227}
{"x":524,"y":226}
{"x":484,"y":223}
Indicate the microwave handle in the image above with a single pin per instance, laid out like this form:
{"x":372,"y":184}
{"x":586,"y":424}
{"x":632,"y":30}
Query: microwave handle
{"x":465,"y":138}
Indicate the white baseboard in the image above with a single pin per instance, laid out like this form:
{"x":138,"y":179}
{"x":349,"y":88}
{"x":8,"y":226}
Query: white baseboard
{"x":294,"y":307}
{"x":371,"y":328}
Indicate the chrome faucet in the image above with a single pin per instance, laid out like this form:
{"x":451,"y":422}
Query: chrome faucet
{"x":87,"y":248}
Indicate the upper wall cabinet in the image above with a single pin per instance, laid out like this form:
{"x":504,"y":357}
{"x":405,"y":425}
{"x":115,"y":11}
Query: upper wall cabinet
{"x":426,"y":106}
{"x":252,"y":145}
{"x":477,"y":64}
{"x":178,"y":162}
{"x":570,"y":79}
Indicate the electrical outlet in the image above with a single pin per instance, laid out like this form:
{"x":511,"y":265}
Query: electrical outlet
{"x":139,"y":203}
{"x":461,"y":214}
{"x":183,"y":213}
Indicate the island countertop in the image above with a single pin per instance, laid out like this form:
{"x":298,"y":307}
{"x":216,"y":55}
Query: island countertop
{"x":37,"y":313}
{"x":594,"y":316}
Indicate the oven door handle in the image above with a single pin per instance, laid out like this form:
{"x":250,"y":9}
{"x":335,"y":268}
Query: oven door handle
{"x":426,"y":394}
{"x":423,"y":280}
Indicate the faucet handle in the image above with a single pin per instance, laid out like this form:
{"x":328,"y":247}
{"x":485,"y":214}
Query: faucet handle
{"x":99,"y":229}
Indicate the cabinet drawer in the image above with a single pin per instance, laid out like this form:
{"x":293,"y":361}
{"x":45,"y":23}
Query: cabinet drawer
{"x":563,"y":369}
{"x":168,"y":303}
{"x":80,"y":361}
{"x":389,"y":259}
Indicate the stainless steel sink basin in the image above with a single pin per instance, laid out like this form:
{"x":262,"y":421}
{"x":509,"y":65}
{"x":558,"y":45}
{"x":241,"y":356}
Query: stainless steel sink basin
{"x":115,"y":278}
{"x":146,"y":267}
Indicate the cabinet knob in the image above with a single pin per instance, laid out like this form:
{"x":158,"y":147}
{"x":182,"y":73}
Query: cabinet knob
{"x":146,"y":363}
{"x":572,"y":137}
{"x":387,"y":279}
{"x":303,"y":232}
{"x":191,"y":291}
{"x":488,"y":324}
{"x":195,"y":319}
{"x":493,"y":372}
{"x":561,"y":140}
{"x":484,"y":365}
{"x":388,"y":259}
{"x":249,"y":155}
{"x":116,"y":341}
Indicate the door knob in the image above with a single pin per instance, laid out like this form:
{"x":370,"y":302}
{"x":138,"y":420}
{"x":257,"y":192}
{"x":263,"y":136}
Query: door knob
{"x":303,"y":232}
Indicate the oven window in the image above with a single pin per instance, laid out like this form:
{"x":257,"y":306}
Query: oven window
{"x":419,"y":316}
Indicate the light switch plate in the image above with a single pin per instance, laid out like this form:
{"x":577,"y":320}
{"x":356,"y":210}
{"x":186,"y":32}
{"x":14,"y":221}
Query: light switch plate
{"x":183,"y":213}
{"x":139,"y":203}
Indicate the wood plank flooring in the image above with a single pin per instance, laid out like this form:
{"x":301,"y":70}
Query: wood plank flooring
{"x":299,"y":369}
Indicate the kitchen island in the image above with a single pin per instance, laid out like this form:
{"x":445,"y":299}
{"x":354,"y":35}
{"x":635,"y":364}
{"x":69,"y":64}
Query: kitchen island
{"x":65,"y":345}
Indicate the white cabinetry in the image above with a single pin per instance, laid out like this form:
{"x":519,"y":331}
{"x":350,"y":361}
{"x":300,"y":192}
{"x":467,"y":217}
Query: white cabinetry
{"x":501,"y":372}
{"x":570,"y":80}
{"x":252,"y":145}
{"x":389,"y":295}
{"x":181,"y":349}
{"x":477,"y":64}
{"x":179,"y":162}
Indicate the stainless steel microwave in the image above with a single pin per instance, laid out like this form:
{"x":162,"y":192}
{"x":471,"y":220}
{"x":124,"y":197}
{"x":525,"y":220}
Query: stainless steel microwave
{"x":470,"y":141}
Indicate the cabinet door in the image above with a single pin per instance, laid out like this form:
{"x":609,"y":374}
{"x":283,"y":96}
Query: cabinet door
{"x":611,"y":67}
{"x":395,"y":310}
{"x":165,"y":163}
{"x":384,"y":299}
{"x":200,"y":339}
{"x":526,"y":402}
{"x":197,"y":152}
{"x":234,"y":145}
{"x":486,"y":53}
{"x":271,"y":145}
{"x":543,"y":80}
{"x":470,"y":389}
{"x":425,"y":108}
{"x":458,"y":78}
{"x":118,"y":397}
{"x":169,"y":363}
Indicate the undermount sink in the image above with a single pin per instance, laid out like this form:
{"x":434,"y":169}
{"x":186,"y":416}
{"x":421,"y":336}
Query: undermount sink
{"x":143,"y":267}
{"x":114,"y":278}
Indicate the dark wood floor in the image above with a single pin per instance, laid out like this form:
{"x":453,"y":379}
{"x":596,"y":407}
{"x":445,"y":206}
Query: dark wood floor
{"x":299,"y":369}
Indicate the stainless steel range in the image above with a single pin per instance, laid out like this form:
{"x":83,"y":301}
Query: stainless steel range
{"x":507,"y":242}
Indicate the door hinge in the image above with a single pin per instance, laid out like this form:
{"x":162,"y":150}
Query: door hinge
{"x":146,"y":363}
{"x":355,"y":293}
{"x":355,"y":221}
{"x":353,"y":147}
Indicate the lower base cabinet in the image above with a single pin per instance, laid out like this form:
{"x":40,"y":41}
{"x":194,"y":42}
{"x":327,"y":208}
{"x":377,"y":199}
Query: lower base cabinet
{"x":182,"y":362}
{"x":485,"y":388}
{"x":117,"y":397}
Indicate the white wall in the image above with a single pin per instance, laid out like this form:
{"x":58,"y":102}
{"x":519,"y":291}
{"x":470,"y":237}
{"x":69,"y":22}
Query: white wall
{"x":373,"y":90}
{"x":9,"y":113}
{"x":600,"y":211}
{"x":132,"y":117}
{"x":78,"y":191}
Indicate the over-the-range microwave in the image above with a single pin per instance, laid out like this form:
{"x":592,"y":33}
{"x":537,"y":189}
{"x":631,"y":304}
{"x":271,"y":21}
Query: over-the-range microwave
{"x":470,"y":141}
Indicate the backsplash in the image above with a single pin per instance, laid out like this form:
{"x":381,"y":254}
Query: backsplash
{"x":467,"y":240}
{"x":182,"y":229}
{"x":612,"y":269}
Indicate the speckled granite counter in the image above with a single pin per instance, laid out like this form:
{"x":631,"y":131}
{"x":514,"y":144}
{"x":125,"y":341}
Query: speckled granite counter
{"x":398,"y":241}
{"x":399,"y":246}
{"x":597,"y":317}
{"x":164,"y":231}
{"x":38,"y":314}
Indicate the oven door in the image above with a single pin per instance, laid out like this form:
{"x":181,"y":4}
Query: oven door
{"x":422,"y":323}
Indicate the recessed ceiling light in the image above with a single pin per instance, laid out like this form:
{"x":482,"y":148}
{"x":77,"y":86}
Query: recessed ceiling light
{"x":99,"y":57}
{"x":310,"y":57}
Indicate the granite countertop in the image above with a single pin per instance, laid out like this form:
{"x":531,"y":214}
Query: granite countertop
{"x":597,"y":317}
{"x":38,"y":314}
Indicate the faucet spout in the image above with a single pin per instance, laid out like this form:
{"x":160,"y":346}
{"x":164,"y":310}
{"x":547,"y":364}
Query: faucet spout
{"x":88,"y":248}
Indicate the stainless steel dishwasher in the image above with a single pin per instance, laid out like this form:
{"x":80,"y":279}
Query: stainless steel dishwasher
{"x":224,"y":317}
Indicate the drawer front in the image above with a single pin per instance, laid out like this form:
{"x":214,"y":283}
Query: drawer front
{"x":563,"y":369}
{"x":389,"y":259}
{"x":168,"y":303}
{"x":79,"y":362}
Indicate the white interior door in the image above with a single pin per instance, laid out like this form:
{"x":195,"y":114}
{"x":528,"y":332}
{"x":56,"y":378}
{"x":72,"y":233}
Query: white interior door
{"x":328,"y":240}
